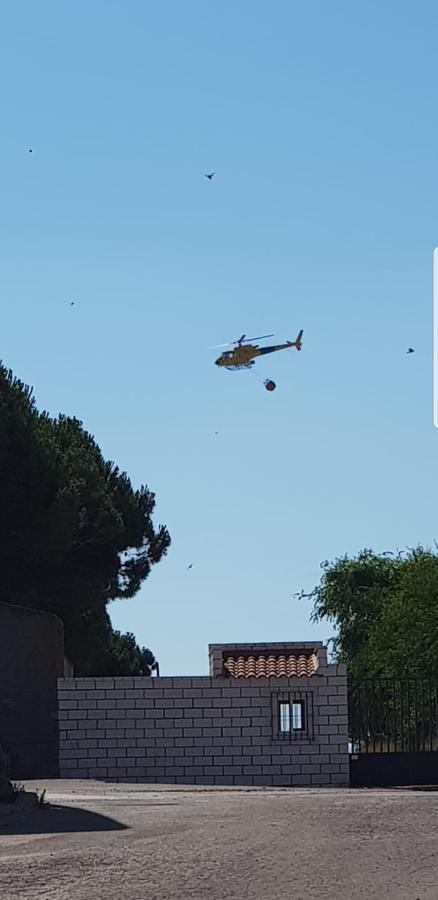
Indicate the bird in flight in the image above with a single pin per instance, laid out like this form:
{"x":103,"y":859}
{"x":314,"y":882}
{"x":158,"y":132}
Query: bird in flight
{"x":210,"y":176}
{"x":410,"y":350}
{"x":72,"y":303}
{"x":30,"y":151}
{"x":190,"y":566}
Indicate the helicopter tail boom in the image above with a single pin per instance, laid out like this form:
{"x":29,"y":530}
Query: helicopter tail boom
{"x":297,"y":343}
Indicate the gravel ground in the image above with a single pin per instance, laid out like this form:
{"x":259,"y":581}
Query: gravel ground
{"x":100,"y":841}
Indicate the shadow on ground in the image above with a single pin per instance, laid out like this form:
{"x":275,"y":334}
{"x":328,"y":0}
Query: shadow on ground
{"x":25,"y":816}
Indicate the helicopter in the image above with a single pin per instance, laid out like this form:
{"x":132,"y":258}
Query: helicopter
{"x":245,"y":353}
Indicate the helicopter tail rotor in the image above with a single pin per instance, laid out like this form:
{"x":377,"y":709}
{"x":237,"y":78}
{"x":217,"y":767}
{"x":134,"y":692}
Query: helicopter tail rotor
{"x":297,"y":343}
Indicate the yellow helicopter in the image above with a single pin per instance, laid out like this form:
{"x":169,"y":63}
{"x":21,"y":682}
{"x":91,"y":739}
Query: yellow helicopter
{"x":244,"y":354}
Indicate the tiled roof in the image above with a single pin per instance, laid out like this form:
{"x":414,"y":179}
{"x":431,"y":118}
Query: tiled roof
{"x":271,"y":666}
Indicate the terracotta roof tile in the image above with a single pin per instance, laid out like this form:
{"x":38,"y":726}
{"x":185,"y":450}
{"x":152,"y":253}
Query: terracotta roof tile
{"x":272,"y":666}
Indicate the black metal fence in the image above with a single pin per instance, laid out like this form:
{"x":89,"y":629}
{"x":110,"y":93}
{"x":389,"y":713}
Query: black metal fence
{"x":393,"y":716}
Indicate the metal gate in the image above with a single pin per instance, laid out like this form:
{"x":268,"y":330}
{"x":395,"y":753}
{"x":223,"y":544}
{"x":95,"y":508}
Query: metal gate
{"x":393,"y":732}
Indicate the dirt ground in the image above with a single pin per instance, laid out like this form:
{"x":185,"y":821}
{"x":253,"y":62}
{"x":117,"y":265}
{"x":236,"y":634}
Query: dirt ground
{"x":151,"y":842}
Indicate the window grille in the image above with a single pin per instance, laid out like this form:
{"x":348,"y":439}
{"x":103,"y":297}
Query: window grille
{"x":292,"y":716}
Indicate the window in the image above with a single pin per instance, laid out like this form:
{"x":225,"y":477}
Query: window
{"x":292,"y":715}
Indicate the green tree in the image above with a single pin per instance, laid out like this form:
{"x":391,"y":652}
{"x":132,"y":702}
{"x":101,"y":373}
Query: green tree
{"x":124,"y":657}
{"x":74,"y":534}
{"x":385,"y":611}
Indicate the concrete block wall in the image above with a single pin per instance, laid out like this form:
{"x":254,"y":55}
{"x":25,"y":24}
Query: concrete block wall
{"x":205,"y":730}
{"x":31,"y":659}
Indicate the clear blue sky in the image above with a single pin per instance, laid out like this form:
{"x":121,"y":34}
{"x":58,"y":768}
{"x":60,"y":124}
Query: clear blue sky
{"x":320,"y":120}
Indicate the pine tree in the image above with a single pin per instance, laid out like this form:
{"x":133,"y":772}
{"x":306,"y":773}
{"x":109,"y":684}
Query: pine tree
{"x":74,"y":534}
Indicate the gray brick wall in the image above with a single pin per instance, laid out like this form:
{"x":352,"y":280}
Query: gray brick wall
{"x":205,"y":730}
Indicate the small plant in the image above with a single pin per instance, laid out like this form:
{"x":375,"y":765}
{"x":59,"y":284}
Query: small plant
{"x":18,"y":788}
{"x":41,"y":799}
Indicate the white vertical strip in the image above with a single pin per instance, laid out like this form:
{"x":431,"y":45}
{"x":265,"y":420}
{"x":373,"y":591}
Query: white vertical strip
{"x":284,"y":717}
{"x":435,"y":337}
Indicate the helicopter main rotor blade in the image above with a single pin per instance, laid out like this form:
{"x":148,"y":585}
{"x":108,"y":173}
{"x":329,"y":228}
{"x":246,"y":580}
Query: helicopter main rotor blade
{"x":259,"y":338}
{"x":241,"y":341}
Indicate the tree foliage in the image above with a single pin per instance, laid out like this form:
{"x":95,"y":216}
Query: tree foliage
{"x":74,"y":534}
{"x":125,"y":657}
{"x":385,"y":611}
